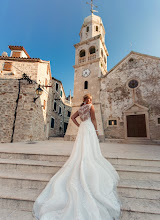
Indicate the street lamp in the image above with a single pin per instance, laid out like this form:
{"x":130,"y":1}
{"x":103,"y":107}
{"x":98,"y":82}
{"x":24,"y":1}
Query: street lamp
{"x":38,"y":92}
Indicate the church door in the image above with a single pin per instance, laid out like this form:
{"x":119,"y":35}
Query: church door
{"x":136,"y":126}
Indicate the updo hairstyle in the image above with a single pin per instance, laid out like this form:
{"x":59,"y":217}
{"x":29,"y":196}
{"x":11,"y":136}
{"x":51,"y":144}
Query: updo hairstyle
{"x":85,"y":97}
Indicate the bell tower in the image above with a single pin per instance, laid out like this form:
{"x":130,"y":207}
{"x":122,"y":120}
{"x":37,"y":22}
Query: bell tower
{"x":90,"y":65}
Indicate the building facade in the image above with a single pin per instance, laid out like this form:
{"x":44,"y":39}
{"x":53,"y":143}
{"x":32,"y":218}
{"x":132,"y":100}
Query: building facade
{"x":24,"y":118}
{"x":61,"y":108}
{"x":126,"y":99}
{"x":130,"y":98}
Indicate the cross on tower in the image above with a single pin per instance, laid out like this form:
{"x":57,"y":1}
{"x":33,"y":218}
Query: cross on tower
{"x":92,"y":5}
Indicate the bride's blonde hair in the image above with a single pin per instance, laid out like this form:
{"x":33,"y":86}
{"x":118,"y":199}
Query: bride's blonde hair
{"x":85,"y":97}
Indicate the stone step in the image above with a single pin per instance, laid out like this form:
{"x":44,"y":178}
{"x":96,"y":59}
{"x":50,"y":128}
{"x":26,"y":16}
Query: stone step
{"x":139,"y":193}
{"x":126,"y":188}
{"x":63,"y":158}
{"x":128,"y":215}
{"x":30,"y":165}
{"x":140,"y":205}
{"x":125,"y":171}
{"x":38,"y":157}
{"x":139,"y":189}
{"x":25,"y":180}
{"x":18,"y":199}
{"x":136,"y":162}
{"x":56,"y":138}
{"x":13,"y":214}
{"x":23,"y":199}
{"x":9,"y":214}
{"x":22,"y":179}
{"x":135,"y":141}
{"x":138,"y":172}
{"x":140,"y":184}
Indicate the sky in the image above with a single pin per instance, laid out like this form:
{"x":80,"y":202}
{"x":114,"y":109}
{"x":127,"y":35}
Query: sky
{"x":48,"y":29}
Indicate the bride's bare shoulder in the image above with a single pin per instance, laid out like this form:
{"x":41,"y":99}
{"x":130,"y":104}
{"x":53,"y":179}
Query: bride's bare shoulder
{"x":92,"y":106}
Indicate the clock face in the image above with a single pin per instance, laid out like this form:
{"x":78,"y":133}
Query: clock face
{"x":86,"y":72}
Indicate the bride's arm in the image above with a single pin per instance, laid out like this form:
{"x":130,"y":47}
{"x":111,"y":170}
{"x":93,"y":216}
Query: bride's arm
{"x":74,"y":116}
{"x":93,"y":117}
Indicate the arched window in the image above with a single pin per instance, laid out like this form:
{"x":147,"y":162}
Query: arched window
{"x":92,"y":50}
{"x":82,"y":53}
{"x":96,"y":28}
{"x":105,"y":59}
{"x":87,"y":29}
{"x":86,"y":85}
{"x":101,"y":52}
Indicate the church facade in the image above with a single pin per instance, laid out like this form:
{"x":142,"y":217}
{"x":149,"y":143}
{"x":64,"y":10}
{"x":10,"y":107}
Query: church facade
{"x":126,"y":99}
{"x":130,"y":98}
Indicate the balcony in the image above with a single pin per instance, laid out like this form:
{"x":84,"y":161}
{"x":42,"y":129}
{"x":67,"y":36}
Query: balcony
{"x":82,"y":60}
{"x":91,"y":57}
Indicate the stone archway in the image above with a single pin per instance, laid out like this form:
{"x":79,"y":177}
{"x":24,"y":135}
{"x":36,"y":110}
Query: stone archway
{"x":136,"y":122}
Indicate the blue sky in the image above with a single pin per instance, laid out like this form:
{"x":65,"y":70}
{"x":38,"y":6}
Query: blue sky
{"x":48,"y":29}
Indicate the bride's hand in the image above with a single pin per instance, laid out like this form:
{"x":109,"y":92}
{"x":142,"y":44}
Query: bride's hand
{"x":97,"y":133}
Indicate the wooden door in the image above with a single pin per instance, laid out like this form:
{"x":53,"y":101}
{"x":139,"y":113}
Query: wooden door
{"x":136,"y":126}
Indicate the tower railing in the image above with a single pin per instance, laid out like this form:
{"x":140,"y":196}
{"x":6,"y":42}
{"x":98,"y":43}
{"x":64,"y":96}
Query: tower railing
{"x":82,"y":60}
{"x":92,"y":57}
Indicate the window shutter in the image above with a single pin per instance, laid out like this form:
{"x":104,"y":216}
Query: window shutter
{"x":16,"y":54}
{"x":44,"y":104}
{"x":7,"y":66}
{"x":45,"y":82}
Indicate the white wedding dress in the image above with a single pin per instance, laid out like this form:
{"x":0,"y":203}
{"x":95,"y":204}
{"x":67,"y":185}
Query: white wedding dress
{"x":85,"y":188}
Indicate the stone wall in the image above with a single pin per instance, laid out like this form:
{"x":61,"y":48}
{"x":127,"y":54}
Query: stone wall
{"x":29,"y":124}
{"x":32,"y":121}
{"x":18,"y":68}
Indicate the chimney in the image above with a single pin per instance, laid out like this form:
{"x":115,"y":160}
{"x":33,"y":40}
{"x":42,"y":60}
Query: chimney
{"x":4,"y":54}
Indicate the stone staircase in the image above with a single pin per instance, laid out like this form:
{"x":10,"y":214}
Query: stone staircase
{"x":137,"y":141}
{"x":24,"y":175}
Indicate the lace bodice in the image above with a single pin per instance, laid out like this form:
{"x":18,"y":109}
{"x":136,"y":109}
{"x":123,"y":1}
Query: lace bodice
{"x":84,"y":112}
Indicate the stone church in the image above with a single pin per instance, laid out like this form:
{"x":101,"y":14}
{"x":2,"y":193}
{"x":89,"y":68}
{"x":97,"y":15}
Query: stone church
{"x":126,"y":98}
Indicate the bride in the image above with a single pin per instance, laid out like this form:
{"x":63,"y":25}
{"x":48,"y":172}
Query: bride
{"x":85,"y":188}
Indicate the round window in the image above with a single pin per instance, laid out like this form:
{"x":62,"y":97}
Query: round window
{"x":133,"y":84}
